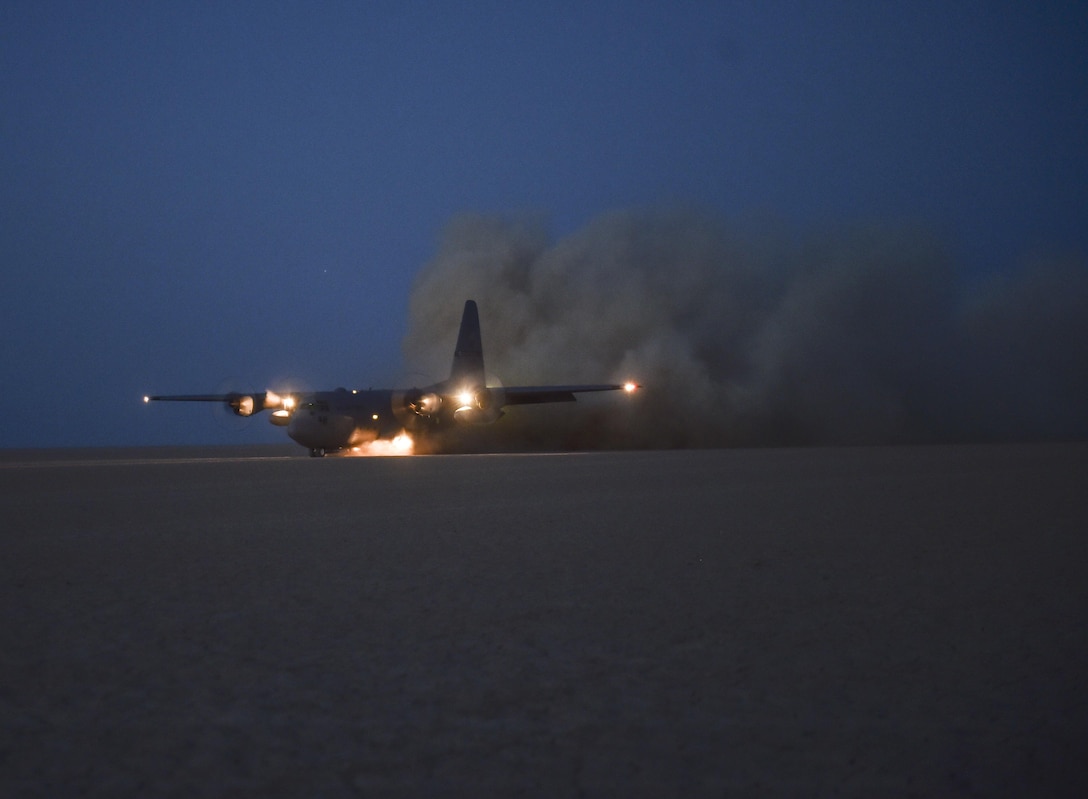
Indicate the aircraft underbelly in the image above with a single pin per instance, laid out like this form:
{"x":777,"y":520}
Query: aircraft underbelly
{"x":366,"y":428}
{"x":321,"y":430}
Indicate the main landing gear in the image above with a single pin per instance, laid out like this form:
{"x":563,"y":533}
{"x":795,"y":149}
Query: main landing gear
{"x":317,"y":452}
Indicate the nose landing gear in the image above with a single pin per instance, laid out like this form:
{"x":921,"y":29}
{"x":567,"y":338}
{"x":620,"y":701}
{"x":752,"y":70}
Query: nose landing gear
{"x":317,"y":452}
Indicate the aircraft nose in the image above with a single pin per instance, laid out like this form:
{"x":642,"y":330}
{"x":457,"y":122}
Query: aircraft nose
{"x":305,"y":428}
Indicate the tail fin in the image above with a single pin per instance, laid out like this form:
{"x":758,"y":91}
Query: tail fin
{"x":468,"y":357}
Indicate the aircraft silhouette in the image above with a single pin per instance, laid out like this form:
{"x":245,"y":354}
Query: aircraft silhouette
{"x":342,"y":419}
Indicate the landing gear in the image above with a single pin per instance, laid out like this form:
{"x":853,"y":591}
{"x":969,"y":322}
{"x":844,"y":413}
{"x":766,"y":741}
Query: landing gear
{"x":317,"y":452}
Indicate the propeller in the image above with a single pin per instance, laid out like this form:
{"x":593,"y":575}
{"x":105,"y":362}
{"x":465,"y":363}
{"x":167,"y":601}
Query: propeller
{"x":225,"y":418}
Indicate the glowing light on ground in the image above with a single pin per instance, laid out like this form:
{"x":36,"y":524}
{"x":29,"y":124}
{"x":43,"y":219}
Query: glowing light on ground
{"x":384,"y":447}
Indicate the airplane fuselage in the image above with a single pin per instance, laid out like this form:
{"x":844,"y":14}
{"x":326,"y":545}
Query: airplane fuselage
{"x":341,"y":419}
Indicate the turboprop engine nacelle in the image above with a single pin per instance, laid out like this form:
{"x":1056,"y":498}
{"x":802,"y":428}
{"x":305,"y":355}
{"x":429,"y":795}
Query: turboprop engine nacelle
{"x":481,"y":406}
{"x":249,"y":404}
{"x":422,"y":403}
{"x":246,"y":404}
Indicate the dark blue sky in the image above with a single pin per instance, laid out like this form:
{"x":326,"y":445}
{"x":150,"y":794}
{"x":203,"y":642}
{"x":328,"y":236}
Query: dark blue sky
{"x":202,"y":195}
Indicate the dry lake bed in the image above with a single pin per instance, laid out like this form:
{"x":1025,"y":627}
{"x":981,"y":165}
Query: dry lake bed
{"x":781,"y":622}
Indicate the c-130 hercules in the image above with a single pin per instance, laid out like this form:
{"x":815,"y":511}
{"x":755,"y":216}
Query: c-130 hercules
{"x":331,"y":421}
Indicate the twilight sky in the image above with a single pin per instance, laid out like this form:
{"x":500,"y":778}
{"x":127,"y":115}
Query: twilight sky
{"x":203,"y":196}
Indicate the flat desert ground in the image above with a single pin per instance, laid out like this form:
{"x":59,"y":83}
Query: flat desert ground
{"x":901,"y":621}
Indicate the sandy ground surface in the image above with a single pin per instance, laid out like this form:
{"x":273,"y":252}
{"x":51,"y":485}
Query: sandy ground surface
{"x":825,"y":622}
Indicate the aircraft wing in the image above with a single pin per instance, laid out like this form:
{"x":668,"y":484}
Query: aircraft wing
{"x":190,"y":398}
{"x":531,"y":395}
{"x":241,"y":404}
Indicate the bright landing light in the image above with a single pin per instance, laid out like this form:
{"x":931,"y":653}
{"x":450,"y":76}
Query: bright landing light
{"x":629,"y":387}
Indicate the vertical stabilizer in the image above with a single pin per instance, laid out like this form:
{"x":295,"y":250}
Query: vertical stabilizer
{"x":468,"y":357}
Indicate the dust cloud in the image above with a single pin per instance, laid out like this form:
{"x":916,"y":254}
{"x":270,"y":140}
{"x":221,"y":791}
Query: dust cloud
{"x":755,"y":334}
